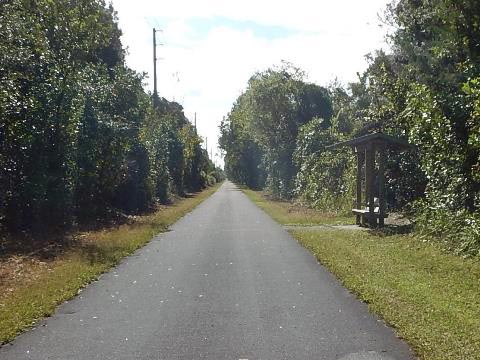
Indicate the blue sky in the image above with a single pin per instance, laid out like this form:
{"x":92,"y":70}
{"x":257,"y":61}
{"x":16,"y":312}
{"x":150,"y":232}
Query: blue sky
{"x":212,"y":47}
{"x":202,"y":26}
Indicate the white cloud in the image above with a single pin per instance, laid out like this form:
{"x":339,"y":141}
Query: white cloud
{"x":206,"y":72}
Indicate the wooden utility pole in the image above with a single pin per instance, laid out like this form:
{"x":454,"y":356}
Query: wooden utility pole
{"x":155,"y":92}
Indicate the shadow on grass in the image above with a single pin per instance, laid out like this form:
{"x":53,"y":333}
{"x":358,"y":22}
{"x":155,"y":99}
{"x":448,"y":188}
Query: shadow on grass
{"x":40,"y":248}
{"x":391,"y":230}
{"x":47,"y":244}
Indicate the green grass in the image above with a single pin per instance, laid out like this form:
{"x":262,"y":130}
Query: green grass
{"x":288,"y":213}
{"x":431,"y":297}
{"x":97,"y":252}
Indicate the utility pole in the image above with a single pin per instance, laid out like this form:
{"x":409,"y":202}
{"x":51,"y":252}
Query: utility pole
{"x":195,"y":123}
{"x":155,"y":92}
{"x":206,"y":144}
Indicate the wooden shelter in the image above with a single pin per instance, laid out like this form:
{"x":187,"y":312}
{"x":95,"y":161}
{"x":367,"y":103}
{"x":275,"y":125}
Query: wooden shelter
{"x":373,"y":210}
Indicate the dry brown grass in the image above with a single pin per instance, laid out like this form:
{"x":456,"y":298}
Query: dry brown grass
{"x":34,"y":282}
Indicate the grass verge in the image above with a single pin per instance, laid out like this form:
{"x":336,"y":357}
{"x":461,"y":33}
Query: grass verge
{"x":288,"y":213}
{"x":431,"y":297}
{"x":38,"y":286}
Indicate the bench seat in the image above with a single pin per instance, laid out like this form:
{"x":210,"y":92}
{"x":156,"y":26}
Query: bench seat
{"x":366,"y":213}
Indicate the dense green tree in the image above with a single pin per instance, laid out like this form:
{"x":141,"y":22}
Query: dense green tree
{"x":325,"y":178}
{"x":243,"y":158}
{"x":79,"y":141}
{"x":438,"y":44}
{"x":262,"y":128}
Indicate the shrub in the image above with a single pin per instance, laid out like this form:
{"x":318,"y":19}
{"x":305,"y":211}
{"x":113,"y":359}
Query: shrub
{"x":457,"y":231}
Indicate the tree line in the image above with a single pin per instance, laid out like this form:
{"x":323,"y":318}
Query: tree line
{"x":79,"y":139}
{"x":426,"y":90}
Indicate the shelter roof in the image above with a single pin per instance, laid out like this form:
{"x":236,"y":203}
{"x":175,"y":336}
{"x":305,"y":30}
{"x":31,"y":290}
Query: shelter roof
{"x":376,"y":138}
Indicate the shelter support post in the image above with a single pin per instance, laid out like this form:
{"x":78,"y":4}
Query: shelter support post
{"x":381,"y":185}
{"x":369,"y":183}
{"x":360,"y":161}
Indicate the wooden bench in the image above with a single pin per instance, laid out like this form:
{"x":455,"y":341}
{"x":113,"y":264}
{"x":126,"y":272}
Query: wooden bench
{"x":365,"y":214}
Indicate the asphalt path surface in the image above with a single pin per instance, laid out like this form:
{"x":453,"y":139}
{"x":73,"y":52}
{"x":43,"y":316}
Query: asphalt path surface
{"x":227,"y":282}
